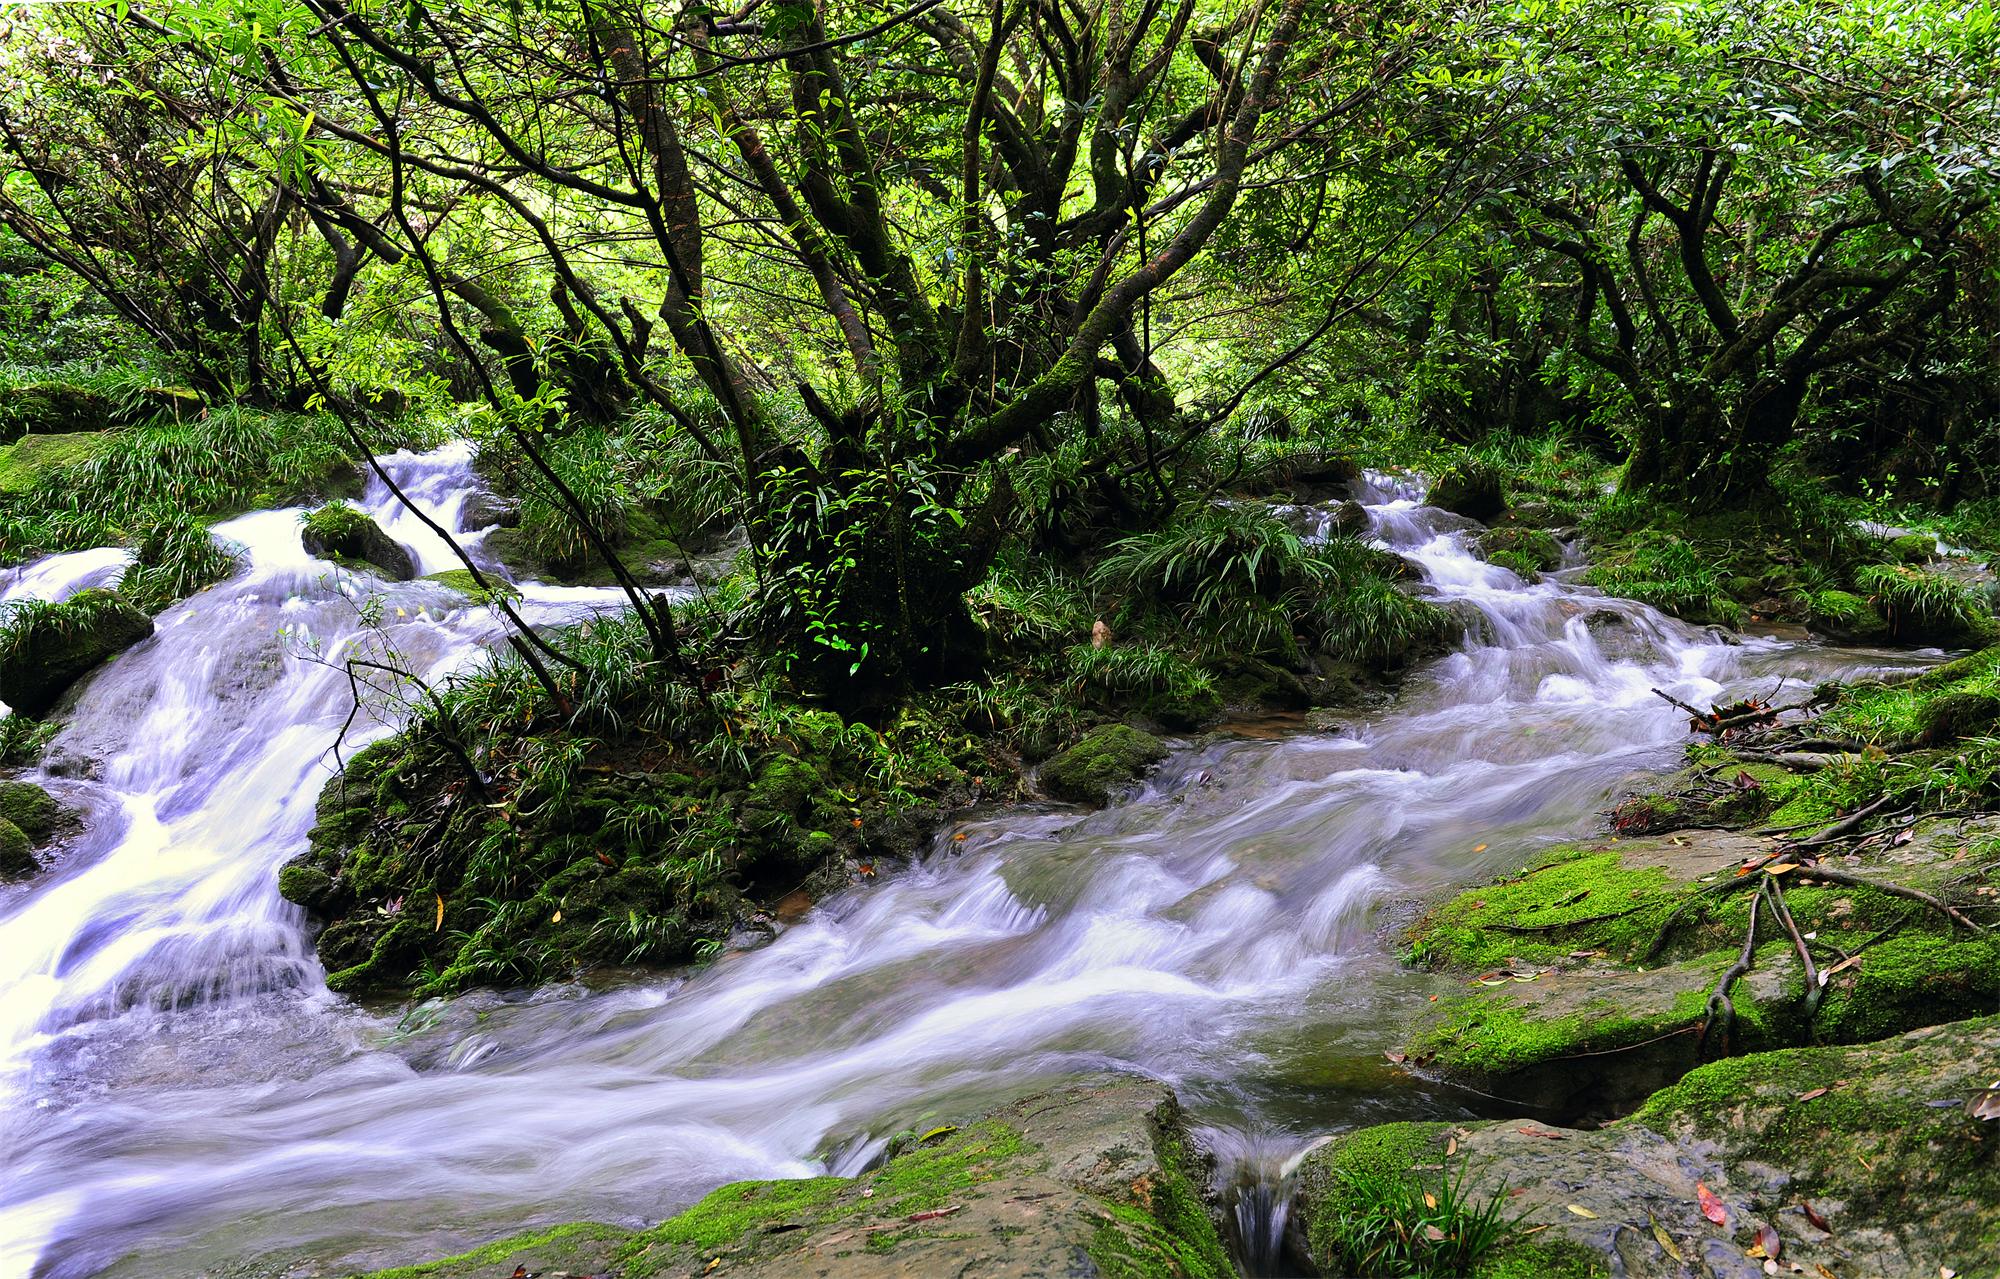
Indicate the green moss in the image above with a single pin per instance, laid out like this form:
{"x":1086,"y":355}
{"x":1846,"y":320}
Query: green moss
{"x":25,"y":462}
{"x":548,"y":1249}
{"x":462,"y":581}
{"x":1519,"y":563}
{"x":1583,"y":898}
{"x":17,"y":856}
{"x":1554,"y":1259}
{"x":29,"y":807}
{"x":1911,"y":980}
{"x":1106,"y":758}
{"x":1913,"y":548}
{"x":1900,"y":713}
{"x":1385,"y":1150}
{"x":728,"y":1212}
{"x":1169,"y":1235}
{"x":1534,"y":548}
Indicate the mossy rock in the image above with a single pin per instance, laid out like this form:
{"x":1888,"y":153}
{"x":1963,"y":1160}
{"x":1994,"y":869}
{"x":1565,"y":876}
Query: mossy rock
{"x":1877,"y":1138}
{"x":1949,"y":717}
{"x":1580,"y":999}
{"x":1470,"y":487}
{"x":1846,"y":618}
{"x":1913,"y":548}
{"x":30,"y":808}
{"x":342,"y":532}
{"x":1107,"y":758}
{"x":1536,"y":548}
{"x":45,"y":648}
{"x":462,"y":581}
{"x":53,"y":408}
{"x":17,"y":852}
{"x":25,"y":462}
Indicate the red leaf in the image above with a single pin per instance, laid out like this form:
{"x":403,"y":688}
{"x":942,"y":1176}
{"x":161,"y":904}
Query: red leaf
{"x":1531,"y":1132}
{"x":935,"y":1213}
{"x":1711,"y":1207}
{"x":1811,"y":1093}
{"x":1768,"y":1241}
{"x":1819,"y":1222}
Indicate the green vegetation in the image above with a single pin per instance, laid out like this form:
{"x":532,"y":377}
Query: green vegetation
{"x":45,"y":647}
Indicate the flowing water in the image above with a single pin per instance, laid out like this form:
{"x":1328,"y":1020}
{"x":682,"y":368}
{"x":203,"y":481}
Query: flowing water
{"x":179,"y":1092}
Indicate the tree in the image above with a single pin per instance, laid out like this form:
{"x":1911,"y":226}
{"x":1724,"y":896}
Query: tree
{"x":1750,"y":197}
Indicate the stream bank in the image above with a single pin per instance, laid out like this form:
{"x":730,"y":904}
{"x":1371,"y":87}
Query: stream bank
{"x":199,"y":1097}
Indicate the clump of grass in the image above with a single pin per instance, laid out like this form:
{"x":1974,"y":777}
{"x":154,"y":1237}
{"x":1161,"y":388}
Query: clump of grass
{"x":335,"y":521}
{"x":1921,"y":603}
{"x":22,"y":740}
{"x":1393,"y":1225}
{"x":175,"y":558}
{"x":1670,"y":574}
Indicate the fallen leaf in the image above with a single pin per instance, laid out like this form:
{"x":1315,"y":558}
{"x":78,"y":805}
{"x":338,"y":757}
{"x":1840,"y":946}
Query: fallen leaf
{"x":1531,"y":1132}
{"x":440,"y":921}
{"x":1664,"y":1239}
{"x":1781,"y":868}
{"x":520,"y":1272}
{"x":1433,"y":1234}
{"x":1711,"y":1207}
{"x":1768,"y":1242}
{"x":1430,"y":1200}
{"x":958,"y":838}
{"x":1398,"y":1058}
{"x":556,"y":918}
{"x":1450,"y":1146}
{"x":935,"y":1213}
{"x":946,"y":1130}
{"x":1819,"y":1222}
{"x":1479,"y":848}
{"x":1517,"y":1192}
{"x":1811,"y":1093}
{"x":1581,"y":1211}
{"x":713,"y":1262}
{"x":1946,"y":1272}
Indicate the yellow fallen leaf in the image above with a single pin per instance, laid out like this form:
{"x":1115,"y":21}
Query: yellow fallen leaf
{"x":1430,"y":1200}
{"x":556,"y":918}
{"x":440,"y":923}
{"x":1665,"y":1240}
{"x":1479,"y":848}
{"x":1582,"y":1211}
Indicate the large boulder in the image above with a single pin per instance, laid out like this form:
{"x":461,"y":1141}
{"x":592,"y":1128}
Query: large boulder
{"x":338,"y":531}
{"x":1471,"y":488}
{"x":1100,"y":1177}
{"x":30,"y":808}
{"x":45,"y":648}
{"x":53,"y":408}
{"x":1106,"y":759}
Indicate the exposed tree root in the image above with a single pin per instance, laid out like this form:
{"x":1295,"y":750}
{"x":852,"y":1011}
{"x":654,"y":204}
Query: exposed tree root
{"x":1720,"y":1008}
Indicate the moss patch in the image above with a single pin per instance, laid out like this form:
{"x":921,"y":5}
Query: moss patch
{"x":1106,"y":758}
{"x":28,"y":459}
{"x":578,"y":1248}
{"x":29,"y":807}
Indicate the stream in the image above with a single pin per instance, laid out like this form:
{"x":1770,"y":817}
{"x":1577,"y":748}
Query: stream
{"x":179,"y":1094}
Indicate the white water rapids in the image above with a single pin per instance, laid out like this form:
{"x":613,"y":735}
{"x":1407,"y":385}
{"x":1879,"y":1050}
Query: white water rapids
{"x":179,"y":1095}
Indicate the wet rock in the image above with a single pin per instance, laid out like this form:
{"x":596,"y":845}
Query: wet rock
{"x":486,"y":509}
{"x":1587,"y":976}
{"x":1471,"y":488}
{"x":1878,"y":1139}
{"x":339,"y":531}
{"x":462,"y":581}
{"x":1533,"y":547}
{"x":17,"y":856}
{"x":29,"y":808}
{"x":1097,"y":1178}
{"x":1106,"y":758}
{"x":1350,"y":517}
{"x":46,"y":648}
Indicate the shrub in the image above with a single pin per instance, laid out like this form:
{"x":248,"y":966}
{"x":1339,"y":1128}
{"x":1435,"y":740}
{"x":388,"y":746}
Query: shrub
{"x":1923,"y":605}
